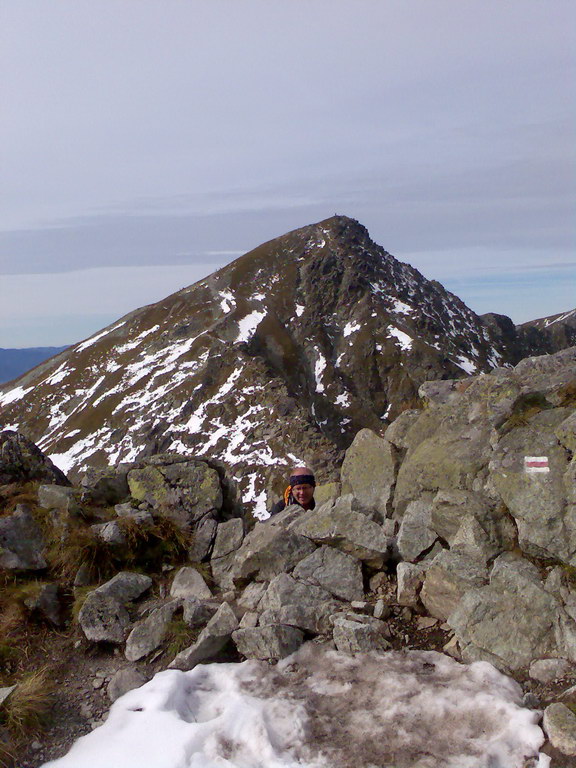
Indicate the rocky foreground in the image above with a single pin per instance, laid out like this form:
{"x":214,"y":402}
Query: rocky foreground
{"x":455,"y":531}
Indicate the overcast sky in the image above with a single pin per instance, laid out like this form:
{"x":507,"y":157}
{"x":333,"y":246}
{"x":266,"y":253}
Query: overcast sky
{"x":146,"y":143}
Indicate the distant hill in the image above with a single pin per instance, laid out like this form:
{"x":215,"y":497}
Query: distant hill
{"x":15,"y":362}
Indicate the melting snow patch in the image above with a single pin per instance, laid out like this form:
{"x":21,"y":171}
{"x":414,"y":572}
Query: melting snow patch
{"x":94,"y":339}
{"x":228,"y":300}
{"x":351,"y":327}
{"x":13,"y":395}
{"x":466,"y":364}
{"x":248,"y":325}
{"x":408,"y":708}
{"x":318,"y":371}
{"x":402,"y":308}
{"x":59,"y":375}
{"x":299,"y":310}
{"x":403,"y":338}
{"x":343,"y":400}
{"x":135,"y":342}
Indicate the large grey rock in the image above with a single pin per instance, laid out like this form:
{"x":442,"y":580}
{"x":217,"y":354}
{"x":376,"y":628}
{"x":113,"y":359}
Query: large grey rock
{"x":566,"y":432}
{"x":59,"y":497}
{"x":148,"y":634}
{"x":450,"y":508}
{"x":103,"y":618}
{"x":415,"y":534}
{"x":21,"y":542}
{"x":448,"y":577}
{"x":333,"y":570}
{"x":345,"y":529}
{"x":560,"y":727}
{"x":204,"y":535}
{"x":397,"y":431}
{"x":107,"y":485}
{"x":537,"y":501}
{"x":353,"y":636}
{"x":188,"y":582}
{"x":123,"y":681}
{"x":267,"y":550}
{"x":369,"y":471}
{"x":138,"y":516}
{"x":197,"y":613}
{"x":410,"y":577}
{"x":211,"y":640}
{"x":510,"y":621}
{"x":289,"y":601}
{"x":273,"y":642}
{"x":45,"y":604}
{"x":125,"y":586}
{"x":549,"y":670}
{"x":251,"y":596}
{"x":186,"y":490}
{"x":229,"y":537}
{"x":22,"y":461}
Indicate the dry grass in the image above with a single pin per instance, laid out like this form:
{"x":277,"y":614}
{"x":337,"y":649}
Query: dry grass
{"x":26,"y":710}
{"x":179,"y":636}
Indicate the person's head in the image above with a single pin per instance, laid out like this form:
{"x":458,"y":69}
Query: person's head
{"x":302,"y":484}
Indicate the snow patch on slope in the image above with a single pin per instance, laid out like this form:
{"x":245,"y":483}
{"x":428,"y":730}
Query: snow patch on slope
{"x":403,"y":338}
{"x":248,"y":325}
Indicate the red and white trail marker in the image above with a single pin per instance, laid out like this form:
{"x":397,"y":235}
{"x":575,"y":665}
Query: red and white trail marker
{"x":533,"y":464}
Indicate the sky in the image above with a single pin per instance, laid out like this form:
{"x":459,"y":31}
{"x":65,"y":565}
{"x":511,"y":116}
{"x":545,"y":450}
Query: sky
{"x":145,"y":144}
{"x":378,"y":706}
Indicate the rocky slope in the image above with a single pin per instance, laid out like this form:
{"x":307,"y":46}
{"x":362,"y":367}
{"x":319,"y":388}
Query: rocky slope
{"x":455,"y":531}
{"x":279,"y":357}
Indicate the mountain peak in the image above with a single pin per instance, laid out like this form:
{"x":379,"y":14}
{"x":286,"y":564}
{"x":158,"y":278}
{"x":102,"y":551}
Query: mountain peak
{"x":277,"y":359}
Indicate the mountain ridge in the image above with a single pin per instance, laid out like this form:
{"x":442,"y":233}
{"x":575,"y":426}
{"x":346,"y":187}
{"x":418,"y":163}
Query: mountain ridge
{"x":278,"y":358}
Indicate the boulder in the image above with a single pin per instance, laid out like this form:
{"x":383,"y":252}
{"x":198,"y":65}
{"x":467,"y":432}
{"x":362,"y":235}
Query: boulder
{"x":271,"y":642}
{"x":204,"y":534}
{"x":229,"y":537}
{"x":289,"y":601}
{"x":60,"y":497}
{"x":22,"y":461}
{"x":105,"y":486}
{"x":566,"y":432}
{"x":369,"y":472}
{"x":125,"y":586}
{"x":450,"y":508}
{"x":21,"y":542}
{"x":103,"y":618}
{"x":148,"y":634}
{"x":186,"y":490}
{"x":251,"y":596}
{"x":353,"y":635}
{"x":560,"y":726}
{"x":397,"y":431}
{"x":197,"y":613}
{"x":549,"y":670}
{"x":410,"y":577}
{"x":211,"y":640}
{"x":269,"y":549}
{"x":333,"y":570}
{"x":327,"y":492}
{"x":448,"y":577}
{"x":537,"y":501}
{"x":188,"y":582}
{"x":345,"y":529}
{"x":138,"y":516}
{"x":45,"y":604}
{"x":415,"y":534}
{"x":511,"y":621}
{"x":109,"y":533}
{"x":124,"y":680}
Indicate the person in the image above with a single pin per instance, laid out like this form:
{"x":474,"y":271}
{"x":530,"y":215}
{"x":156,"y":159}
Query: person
{"x":300,"y":491}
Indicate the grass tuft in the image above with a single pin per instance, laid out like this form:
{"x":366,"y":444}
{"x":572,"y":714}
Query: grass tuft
{"x":26,"y":710}
{"x":179,"y":636}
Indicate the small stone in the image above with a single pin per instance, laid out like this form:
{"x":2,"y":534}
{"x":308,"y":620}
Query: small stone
{"x":531,"y":701}
{"x":549,"y":670}
{"x":560,"y":727}
{"x":35,"y":746}
{"x":188,"y":582}
{"x":229,"y":597}
{"x":97,"y":683}
{"x":381,"y":610}
{"x":378,"y":582}
{"x":360,"y":605}
{"x":86,"y":711}
{"x":123,"y":681}
{"x":452,"y":649}
{"x":250,"y":619}
{"x":5,"y":692}
{"x":406,"y":614}
{"x":426,"y":622}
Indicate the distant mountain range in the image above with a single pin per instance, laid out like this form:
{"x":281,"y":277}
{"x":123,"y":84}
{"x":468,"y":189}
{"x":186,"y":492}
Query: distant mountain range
{"x":15,"y":362}
{"x":278,"y":358}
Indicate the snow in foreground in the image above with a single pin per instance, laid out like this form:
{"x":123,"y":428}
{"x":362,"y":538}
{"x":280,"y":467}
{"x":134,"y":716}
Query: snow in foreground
{"x":317,"y":709}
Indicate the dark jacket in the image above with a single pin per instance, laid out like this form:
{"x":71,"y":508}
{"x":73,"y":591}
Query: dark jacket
{"x":280,"y":505}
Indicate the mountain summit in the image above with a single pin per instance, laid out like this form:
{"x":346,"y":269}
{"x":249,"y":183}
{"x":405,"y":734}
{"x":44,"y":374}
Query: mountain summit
{"x":276,"y":359}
